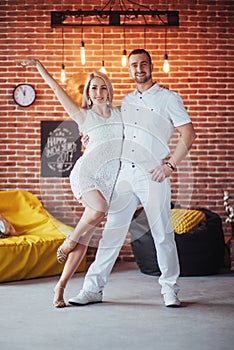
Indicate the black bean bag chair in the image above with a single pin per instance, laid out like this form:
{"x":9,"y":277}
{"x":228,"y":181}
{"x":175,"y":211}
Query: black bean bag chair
{"x":200,"y":251}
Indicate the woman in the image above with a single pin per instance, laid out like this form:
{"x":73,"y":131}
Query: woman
{"x":94,"y":174}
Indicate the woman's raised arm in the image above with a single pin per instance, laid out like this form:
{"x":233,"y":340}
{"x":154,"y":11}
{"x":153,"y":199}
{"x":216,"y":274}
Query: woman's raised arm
{"x":74,"y":111}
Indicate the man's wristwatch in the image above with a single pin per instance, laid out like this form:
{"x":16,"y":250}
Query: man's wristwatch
{"x":169,"y":165}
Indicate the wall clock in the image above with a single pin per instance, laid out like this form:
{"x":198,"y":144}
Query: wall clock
{"x":24,"y":95}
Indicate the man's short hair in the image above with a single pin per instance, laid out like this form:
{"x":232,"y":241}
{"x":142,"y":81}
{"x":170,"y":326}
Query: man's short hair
{"x":140,"y":51}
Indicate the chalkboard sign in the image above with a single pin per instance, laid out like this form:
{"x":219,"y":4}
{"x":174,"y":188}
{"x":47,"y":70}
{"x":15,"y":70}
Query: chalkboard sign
{"x":60,"y":147}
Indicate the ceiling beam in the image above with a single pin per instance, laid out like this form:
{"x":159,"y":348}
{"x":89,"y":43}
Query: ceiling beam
{"x":128,"y":18}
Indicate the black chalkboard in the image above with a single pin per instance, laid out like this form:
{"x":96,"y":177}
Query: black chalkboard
{"x":60,"y":147}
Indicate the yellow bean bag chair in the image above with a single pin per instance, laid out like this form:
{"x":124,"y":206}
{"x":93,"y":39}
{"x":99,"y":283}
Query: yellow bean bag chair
{"x":31,"y":251}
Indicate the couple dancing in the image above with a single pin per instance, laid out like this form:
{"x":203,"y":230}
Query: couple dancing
{"x":126,"y":162}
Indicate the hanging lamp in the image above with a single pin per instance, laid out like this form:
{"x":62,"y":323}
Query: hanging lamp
{"x":63,"y":71}
{"x":103,"y":69}
{"x":82,"y":49}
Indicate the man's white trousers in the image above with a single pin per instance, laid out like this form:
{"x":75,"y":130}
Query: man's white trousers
{"x":134,"y":186}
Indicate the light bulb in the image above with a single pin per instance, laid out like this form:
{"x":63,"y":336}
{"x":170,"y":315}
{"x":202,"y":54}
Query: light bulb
{"x":103,"y":69}
{"x":82,"y":52}
{"x":166,"y":65}
{"x":124,"y":58}
{"x":63,"y":73}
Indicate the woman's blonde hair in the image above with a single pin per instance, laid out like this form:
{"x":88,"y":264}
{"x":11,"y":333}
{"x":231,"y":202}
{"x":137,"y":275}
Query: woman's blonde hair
{"x":85,"y":96}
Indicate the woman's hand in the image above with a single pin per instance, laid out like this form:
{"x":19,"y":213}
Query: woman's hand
{"x":84,"y":140}
{"x":28,"y":63}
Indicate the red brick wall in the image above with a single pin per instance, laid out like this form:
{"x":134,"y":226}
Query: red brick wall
{"x":201,"y":53}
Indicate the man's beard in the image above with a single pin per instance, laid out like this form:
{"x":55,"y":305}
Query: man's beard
{"x":142,"y":80}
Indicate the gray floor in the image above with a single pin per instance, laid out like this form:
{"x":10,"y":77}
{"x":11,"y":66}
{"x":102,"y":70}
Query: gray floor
{"x":132,"y":315}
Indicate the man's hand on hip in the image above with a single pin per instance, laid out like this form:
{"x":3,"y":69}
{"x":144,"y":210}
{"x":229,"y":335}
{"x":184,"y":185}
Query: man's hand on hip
{"x":160,"y":173}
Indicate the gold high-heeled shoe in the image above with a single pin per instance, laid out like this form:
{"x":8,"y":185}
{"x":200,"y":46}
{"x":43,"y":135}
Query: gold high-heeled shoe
{"x":59,"y":303}
{"x":68,"y":243}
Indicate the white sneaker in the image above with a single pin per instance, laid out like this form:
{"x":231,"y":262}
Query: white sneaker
{"x":171,"y":299}
{"x":84,"y":298}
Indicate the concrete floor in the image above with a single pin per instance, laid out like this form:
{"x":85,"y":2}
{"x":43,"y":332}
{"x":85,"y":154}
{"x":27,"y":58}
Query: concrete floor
{"x":132,"y":315}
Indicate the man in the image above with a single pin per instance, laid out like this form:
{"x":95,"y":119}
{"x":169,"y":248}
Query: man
{"x":150,"y":115}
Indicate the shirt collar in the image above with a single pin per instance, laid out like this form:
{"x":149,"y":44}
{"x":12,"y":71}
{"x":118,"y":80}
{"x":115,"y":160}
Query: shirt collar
{"x":151,"y":90}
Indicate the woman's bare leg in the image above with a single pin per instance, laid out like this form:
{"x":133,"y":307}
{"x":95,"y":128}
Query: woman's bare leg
{"x":95,"y":208}
{"x":74,"y":259}
{"x":91,"y":218}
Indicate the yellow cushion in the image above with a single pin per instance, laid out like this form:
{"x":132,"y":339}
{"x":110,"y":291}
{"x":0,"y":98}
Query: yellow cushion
{"x":184,"y":220}
{"x":27,"y":214}
{"x":33,"y":252}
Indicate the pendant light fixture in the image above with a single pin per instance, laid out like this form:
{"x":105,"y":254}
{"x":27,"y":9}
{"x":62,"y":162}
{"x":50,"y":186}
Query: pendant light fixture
{"x":63,"y":72}
{"x":124,"y":55}
{"x":166,"y":65}
{"x":124,"y":58}
{"x":145,"y":38}
{"x":82,"y":49}
{"x":103,"y":69}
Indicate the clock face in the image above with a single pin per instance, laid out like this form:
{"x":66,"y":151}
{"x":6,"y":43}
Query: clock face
{"x":24,"y":95}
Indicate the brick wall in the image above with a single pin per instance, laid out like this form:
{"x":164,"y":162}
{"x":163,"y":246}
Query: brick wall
{"x":201,"y":53}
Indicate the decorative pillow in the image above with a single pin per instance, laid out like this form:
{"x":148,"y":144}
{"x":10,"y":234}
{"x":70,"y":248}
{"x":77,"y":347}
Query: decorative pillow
{"x":184,"y":220}
{"x":6,"y":228}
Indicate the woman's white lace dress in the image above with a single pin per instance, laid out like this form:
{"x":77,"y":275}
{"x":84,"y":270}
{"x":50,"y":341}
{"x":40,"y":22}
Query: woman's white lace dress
{"x":98,"y":167}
